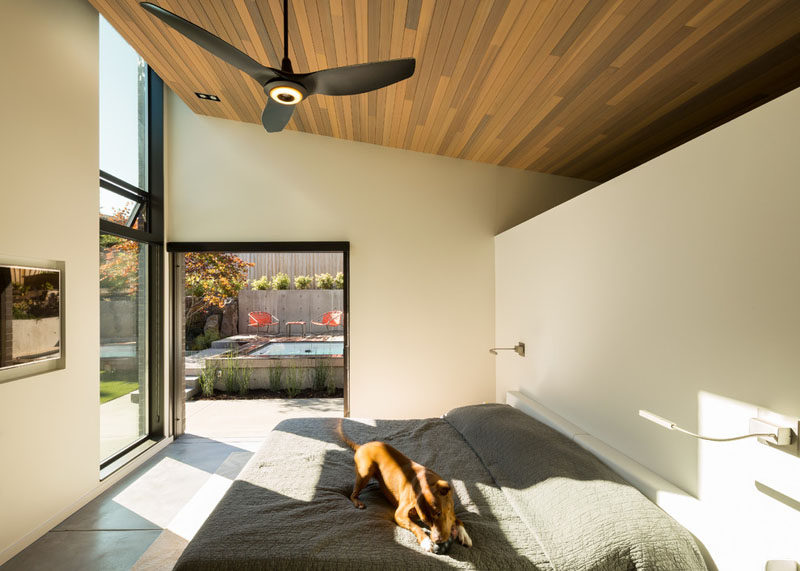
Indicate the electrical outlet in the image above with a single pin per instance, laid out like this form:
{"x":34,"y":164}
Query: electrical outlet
{"x":785,"y":428}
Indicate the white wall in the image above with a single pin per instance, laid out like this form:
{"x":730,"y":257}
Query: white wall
{"x":675,"y":288}
{"x":49,"y":429}
{"x":421,"y":231}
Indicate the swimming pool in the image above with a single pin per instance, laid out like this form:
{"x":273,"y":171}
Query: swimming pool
{"x":300,"y":348}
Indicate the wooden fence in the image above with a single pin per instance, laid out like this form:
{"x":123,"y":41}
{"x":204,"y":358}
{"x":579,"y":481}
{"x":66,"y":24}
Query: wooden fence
{"x":293,"y":263}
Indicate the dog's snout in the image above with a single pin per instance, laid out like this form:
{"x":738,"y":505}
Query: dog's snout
{"x":442,"y":547}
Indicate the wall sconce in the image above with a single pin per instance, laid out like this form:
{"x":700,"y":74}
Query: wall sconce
{"x":519,"y":348}
{"x":781,"y":436}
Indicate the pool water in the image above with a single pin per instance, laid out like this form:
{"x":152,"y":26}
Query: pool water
{"x":301,"y":348}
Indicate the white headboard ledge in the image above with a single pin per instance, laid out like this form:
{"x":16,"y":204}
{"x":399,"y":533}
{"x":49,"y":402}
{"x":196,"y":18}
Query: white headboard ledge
{"x":682,"y":506}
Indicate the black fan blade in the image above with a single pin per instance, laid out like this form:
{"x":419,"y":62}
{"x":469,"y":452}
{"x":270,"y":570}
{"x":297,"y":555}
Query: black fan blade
{"x":276,"y":115}
{"x":213,"y":44}
{"x":355,"y":79}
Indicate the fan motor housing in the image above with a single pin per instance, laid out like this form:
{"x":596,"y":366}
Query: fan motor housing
{"x":285,"y":92}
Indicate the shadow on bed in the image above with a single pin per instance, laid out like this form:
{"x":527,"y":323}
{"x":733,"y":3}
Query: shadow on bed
{"x":290,"y":507}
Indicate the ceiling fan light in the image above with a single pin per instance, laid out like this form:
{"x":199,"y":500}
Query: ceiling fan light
{"x":286,"y":95}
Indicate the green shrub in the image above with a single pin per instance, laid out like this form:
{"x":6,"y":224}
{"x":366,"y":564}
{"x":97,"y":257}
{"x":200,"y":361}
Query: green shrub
{"x":303,"y":282}
{"x":230,"y":374}
{"x":261,"y":283}
{"x":338,"y":281}
{"x":280,"y":281}
{"x":324,"y":281}
{"x":293,"y":381}
{"x":275,"y":374}
{"x":208,"y":375}
{"x":322,"y":371}
{"x":200,"y":343}
{"x":204,"y":340}
{"x":330,"y":385}
{"x":245,"y":372}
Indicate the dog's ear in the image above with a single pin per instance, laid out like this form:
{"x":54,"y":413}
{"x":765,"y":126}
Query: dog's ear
{"x":442,"y":487}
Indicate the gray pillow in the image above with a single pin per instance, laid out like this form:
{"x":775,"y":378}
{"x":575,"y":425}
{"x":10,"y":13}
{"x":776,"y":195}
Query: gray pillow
{"x":584,"y":515}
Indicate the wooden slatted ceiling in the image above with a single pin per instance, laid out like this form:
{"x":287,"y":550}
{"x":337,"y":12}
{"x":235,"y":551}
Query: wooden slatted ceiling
{"x":581,"y":88}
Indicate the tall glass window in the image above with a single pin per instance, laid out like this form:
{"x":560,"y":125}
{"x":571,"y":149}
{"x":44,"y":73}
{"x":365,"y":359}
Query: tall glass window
{"x":131,"y":239}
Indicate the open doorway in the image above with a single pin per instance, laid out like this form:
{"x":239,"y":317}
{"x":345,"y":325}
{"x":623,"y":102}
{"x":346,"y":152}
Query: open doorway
{"x":261,"y":323}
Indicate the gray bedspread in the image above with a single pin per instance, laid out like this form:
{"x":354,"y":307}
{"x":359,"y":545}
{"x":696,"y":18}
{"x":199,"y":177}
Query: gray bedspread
{"x":529,"y":498}
{"x":290,"y":506}
{"x":584,"y":515}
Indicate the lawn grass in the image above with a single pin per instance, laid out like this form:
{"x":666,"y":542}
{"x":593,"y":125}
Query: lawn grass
{"x":114,"y":385}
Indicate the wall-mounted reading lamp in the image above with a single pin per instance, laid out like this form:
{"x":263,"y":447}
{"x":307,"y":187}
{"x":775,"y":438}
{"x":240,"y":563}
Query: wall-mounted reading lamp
{"x":782,"y":436}
{"x":519,"y":348}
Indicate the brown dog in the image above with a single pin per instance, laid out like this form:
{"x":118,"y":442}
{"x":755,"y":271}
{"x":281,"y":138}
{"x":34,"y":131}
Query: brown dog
{"x":412,"y":489}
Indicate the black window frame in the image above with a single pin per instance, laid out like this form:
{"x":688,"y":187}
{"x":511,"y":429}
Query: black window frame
{"x":151,"y":202}
{"x":343,"y":248}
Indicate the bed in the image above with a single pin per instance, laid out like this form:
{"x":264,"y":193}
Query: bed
{"x":529,"y":496}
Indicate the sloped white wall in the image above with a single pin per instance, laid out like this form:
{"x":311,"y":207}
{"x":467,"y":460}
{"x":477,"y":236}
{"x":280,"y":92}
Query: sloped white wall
{"x":421,"y":230}
{"x":675,"y":288}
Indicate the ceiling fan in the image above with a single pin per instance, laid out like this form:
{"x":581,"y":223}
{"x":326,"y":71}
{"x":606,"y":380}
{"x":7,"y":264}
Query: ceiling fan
{"x":284,"y":87}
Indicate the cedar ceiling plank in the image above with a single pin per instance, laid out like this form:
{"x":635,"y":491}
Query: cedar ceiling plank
{"x":231,"y":78}
{"x":592,"y":9}
{"x":627,"y":125}
{"x":446,"y":115}
{"x":674,"y":15}
{"x":407,"y":49}
{"x":513,"y":70}
{"x":526,"y":104}
{"x":322,"y":104}
{"x":473,"y":82}
{"x":412,"y":14}
{"x":395,"y":51}
{"x":708,"y":104}
{"x":591,"y":40}
{"x":256,"y":92}
{"x":512,"y":47}
{"x":708,"y":27}
{"x":324,"y":29}
{"x":594,"y":90}
{"x":630,"y":78}
{"x":343,"y":113}
{"x":252,"y":94}
{"x":425,"y":29}
{"x":529,"y":71}
{"x":580,"y":116}
{"x":434,"y":84}
{"x":373,"y":39}
{"x":543,"y":66}
{"x":350,"y":46}
{"x":362,"y":51}
{"x":384,"y":47}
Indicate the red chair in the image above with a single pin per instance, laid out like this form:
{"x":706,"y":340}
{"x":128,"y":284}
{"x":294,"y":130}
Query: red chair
{"x":260,"y":319}
{"x":331,"y":319}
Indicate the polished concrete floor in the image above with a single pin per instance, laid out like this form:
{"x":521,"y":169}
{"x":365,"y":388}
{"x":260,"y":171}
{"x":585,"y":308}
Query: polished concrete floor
{"x":146,"y":520}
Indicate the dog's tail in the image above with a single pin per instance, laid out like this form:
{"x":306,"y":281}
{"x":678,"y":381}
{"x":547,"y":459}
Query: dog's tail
{"x":343,"y":436}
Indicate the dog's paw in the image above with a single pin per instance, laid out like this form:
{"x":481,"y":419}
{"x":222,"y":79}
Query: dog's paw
{"x":463,"y":536}
{"x":358,"y":503}
{"x":427,"y":544}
